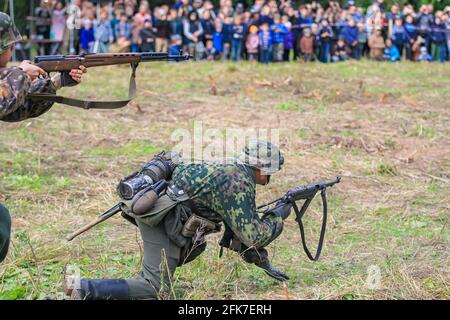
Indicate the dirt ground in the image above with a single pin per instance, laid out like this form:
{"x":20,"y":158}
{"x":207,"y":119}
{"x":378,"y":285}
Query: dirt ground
{"x":384,"y":128}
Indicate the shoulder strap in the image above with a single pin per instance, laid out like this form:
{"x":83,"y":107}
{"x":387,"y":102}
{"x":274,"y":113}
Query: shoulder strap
{"x":300,"y":214}
{"x":89,"y":104}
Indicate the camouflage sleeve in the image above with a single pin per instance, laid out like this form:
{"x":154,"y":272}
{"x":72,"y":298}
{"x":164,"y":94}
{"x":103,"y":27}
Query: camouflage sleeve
{"x":234,"y":201}
{"x":15,"y":86}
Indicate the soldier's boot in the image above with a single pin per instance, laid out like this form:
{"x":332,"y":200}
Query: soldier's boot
{"x":100,"y":289}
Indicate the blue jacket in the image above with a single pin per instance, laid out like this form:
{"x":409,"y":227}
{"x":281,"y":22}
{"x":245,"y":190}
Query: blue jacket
{"x":86,"y":36}
{"x":103,"y":31}
{"x":392,"y":53}
{"x":399,"y":35}
{"x":263,"y":45}
{"x":218,"y":41}
{"x":350,"y":34}
{"x":438,"y":33}
{"x":265,"y":19}
{"x":208,"y":27}
{"x":123,"y":30}
{"x":278,"y":37}
{"x":411,"y":31}
{"x":227,"y":32}
{"x":305,"y":22}
{"x":238,"y":32}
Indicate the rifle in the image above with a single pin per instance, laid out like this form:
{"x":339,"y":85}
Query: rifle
{"x":65,"y":63}
{"x":307,"y":193}
{"x":106,"y":215}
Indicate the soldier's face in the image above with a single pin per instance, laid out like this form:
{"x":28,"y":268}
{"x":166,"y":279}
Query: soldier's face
{"x":261,"y":178}
{"x":5,"y":57}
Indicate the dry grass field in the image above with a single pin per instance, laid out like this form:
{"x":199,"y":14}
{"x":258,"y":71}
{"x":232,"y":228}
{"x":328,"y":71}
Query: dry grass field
{"x":384,"y":128}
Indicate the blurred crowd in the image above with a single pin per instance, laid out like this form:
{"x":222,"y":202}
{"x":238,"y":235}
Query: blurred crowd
{"x":267,"y":31}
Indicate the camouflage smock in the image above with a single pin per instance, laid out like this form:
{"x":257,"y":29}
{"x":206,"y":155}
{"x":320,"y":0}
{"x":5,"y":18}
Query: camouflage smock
{"x":226,"y":192}
{"x":15,"y":86}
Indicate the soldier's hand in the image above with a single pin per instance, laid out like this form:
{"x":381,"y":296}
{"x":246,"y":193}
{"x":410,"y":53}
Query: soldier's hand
{"x":282,"y":209}
{"x":77,"y":73}
{"x":260,"y":258}
{"x":31,"y":70}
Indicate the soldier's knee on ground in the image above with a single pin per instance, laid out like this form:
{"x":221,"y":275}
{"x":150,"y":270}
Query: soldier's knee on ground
{"x":5,"y":231}
{"x":143,"y":289}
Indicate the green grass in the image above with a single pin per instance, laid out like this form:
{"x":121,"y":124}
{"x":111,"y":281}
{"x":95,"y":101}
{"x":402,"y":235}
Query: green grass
{"x":389,"y":143}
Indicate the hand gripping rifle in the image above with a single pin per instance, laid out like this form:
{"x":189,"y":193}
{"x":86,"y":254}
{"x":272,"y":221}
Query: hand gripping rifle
{"x":65,"y":63}
{"x":307,"y":193}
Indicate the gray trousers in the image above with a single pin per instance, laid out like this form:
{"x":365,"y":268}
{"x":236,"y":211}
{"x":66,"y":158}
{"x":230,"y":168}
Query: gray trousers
{"x":5,"y":230}
{"x":278,"y":51}
{"x":161,"y":257}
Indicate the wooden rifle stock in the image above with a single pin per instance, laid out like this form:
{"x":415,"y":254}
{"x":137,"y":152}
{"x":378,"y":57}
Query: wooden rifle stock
{"x":116,"y":209}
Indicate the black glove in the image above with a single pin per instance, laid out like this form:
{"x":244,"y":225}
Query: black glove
{"x":260,"y":258}
{"x":282,"y":209}
{"x":66,"y":80}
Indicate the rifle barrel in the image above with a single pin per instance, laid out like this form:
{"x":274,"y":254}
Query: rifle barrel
{"x":309,"y":190}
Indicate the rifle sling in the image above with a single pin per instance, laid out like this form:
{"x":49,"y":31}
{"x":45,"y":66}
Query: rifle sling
{"x":89,"y":104}
{"x":299,"y":215}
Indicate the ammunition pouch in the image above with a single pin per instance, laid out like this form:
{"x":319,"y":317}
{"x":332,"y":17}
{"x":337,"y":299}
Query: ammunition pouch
{"x":198,"y":225}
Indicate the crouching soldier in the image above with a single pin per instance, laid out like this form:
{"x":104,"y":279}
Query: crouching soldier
{"x":200,"y":197}
{"x":16,"y":84}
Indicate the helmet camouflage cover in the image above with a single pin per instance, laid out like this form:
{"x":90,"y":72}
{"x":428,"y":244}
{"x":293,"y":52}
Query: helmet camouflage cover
{"x":8,"y":32}
{"x":262,"y":155}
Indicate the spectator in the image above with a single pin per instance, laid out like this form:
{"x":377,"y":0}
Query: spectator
{"x":391,"y":52}
{"x":123,"y":32}
{"x":138,"y":23}
{"x":214,"y":33}
{"x":350,"y":36}
{"x":209,"y":51}
{"x":423,"y":55}
{"x":43,"y":14}
{"x":87,"y":37}
{"x":424,"y":20}
{"x":208,"y":27}
{"x":147,"y":37}
{"x":175,"y":24}
{"x":176,"y":44}
{"x":376,"y":45}
{"x":218,"y":40}
{"x":237,"y":39}
{"x":278,"y":31}
{"x":265,"y":43}
{"x":288,"y":38}
{"x":446,"y":20}
{"x":411,"y":35}
{"x":326,"y":35}
{"x":193,"y":32}
{"x":307,"y":45}
{"x":363,"y":38}
{"x":252,"y":44}
{"x":340,"y":52}
{"x":227,"y":37}
{"x":103,"y":33}
{"x":438,"y":41}
{"x":399,"y":35}
{"x":58,"y":26}
{"x":162,"y":31}
{"x":316,"y":36}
